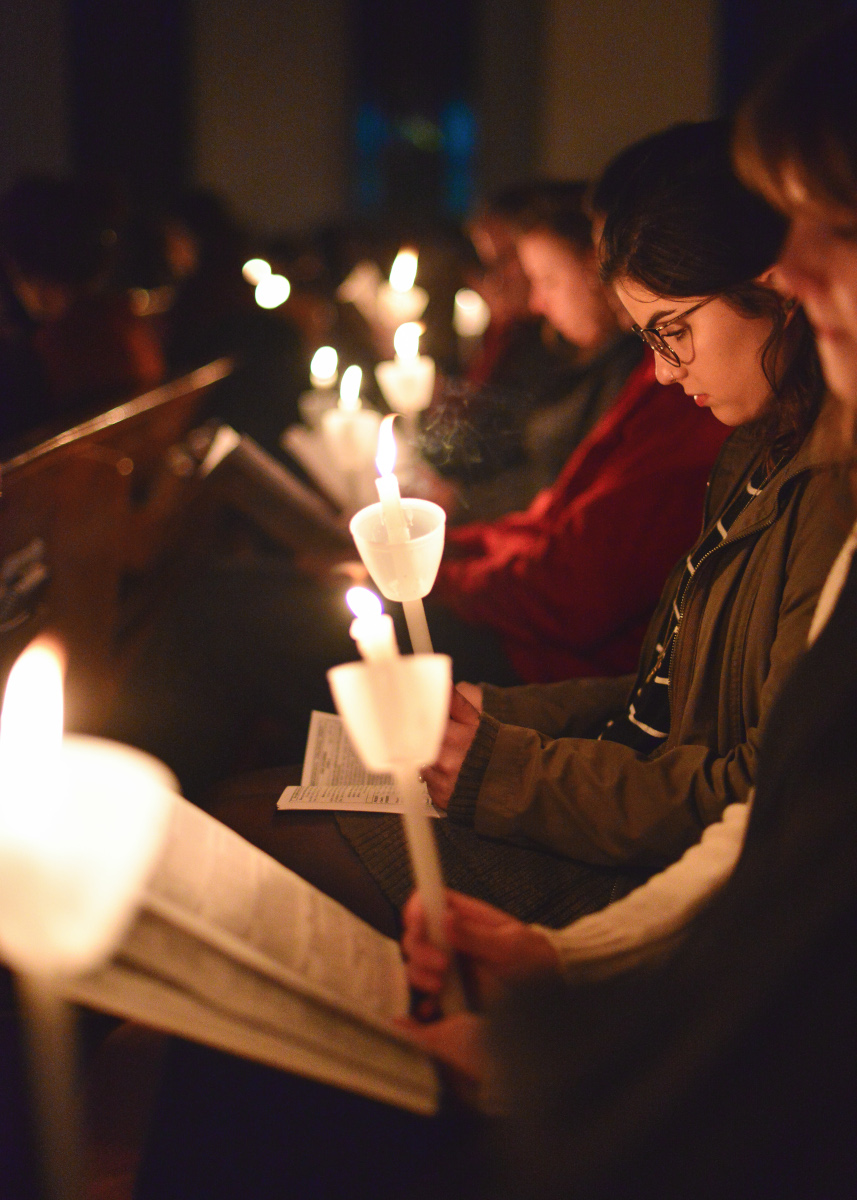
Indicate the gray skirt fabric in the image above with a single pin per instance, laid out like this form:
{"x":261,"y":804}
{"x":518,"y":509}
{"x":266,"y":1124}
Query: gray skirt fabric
{"x":532,"y":885}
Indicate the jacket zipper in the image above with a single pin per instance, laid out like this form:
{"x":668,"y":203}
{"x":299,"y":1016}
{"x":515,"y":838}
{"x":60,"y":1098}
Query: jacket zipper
{"x":727,"y":541}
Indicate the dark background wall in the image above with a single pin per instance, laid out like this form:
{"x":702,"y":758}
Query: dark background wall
{"x":303,"y":111}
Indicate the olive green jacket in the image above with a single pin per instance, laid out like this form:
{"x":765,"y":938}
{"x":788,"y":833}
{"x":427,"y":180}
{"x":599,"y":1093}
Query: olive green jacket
{"x":535,"y":773}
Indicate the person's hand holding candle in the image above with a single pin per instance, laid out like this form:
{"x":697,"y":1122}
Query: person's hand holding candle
{"x":440,"y":778}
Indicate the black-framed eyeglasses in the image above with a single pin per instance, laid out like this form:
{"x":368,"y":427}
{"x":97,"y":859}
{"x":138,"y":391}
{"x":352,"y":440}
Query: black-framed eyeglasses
{"x":653,"y":336}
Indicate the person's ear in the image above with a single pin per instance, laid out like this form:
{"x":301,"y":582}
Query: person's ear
{"x":771,"y":279}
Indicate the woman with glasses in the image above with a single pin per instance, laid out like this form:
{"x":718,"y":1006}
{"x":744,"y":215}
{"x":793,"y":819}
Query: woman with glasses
{"x":618,"y":776}
{"x":728,"y":1070}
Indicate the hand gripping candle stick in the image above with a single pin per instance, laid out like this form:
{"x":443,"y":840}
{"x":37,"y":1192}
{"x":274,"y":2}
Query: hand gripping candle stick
{"x":81,"y":820}
{"x":395,"y":710}
{"x":400,"y":542}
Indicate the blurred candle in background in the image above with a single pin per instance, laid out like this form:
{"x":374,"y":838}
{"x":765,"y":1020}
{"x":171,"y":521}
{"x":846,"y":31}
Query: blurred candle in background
{"x":371,"y":628}
{"x":398,"y":299}
{"x":407,"y":382}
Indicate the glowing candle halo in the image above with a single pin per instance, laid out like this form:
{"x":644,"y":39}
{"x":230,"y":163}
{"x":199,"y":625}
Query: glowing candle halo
{"x":349,"y":389}
{"x":372,"y":629}
{"x":272,"y":291}
{"x":324,"y":367}
{"x":255,"y":270}
{"x":398,"y":299}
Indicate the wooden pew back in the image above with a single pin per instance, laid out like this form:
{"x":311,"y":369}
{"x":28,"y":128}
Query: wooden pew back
{"x":90,"y":520}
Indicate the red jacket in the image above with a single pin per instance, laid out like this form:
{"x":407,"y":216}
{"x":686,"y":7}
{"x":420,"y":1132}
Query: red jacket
{"x":571,"y":583}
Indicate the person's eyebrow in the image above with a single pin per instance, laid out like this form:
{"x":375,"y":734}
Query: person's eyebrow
{"x":660,"y":317}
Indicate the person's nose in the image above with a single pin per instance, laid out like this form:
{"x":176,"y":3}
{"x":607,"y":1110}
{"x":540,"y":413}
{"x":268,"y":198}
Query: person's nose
{"x":667,"y":372}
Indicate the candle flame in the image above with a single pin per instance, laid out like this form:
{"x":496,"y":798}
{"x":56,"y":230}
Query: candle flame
{"x":31,"y":723}
{"x":272,"y":291}
{"x":363,"y":603}
{"x":404,"y":271}
{"x":406,"y":339}
{"x":31,"y":732}
{"x":255,"y":270}
{"x":324,"y":365}
{"x":385,"y":459}
{"x":349,"y":389}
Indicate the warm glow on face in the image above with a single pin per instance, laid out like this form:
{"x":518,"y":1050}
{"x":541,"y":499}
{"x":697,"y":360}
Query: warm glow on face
{"x":349,"y":389}
{"x":272,"y":291}
{"x":406,"y":339}
{"x":404,"y":271}
{"x":363,"y":603}
{"x":385,"y":459}
{"x":255,"y":270}
{"x":323,"y":368}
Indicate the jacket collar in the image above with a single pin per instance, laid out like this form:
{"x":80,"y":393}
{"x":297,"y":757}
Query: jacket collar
{"x":813,"y":454}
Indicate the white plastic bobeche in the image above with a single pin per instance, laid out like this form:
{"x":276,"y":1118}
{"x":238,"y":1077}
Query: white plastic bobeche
{"x":401,"y":570}
{"x":395,"y":711}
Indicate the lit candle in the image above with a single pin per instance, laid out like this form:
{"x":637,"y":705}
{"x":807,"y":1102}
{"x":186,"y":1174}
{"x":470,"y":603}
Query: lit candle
{"x":396,"y":712}
{"x":323,"y":373}
{"x":372,"y":629}
{"x":407,"y":381}
{"x":80,"y":823}
{"x":272,"y":291}
{"x":398,"y":300}
{"x":471,"y":314}
{"x":255,"y":270}
{"x":397,"y":531}
{"x":324,"y":367}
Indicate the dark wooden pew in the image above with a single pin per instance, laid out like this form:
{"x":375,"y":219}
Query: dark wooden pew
{"x":89,"y":517}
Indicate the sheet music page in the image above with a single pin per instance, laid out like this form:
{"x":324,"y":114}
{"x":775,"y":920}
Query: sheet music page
{"x":333,"y":776}
{"x":331,"y":760}
{"x":231,"y":948}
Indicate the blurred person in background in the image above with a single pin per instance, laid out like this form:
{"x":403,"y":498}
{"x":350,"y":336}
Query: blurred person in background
{"x":72,"y":340}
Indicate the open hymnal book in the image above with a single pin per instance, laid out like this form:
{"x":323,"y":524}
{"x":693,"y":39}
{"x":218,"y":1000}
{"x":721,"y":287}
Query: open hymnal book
{"x":334,"y":777}
{"x":229,"y":948}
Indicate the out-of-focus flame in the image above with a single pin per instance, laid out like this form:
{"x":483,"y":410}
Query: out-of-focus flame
{"x":363,"y":603}
{"x":404,"y":270}
{"x":406,"y":339}
{"x":385,"y":459}
{"x":349,"y":389}
{"x":323,"y":368}
{"x":255,"y":270}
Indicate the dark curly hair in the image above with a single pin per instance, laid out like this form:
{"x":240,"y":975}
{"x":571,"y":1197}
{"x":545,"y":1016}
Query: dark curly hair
{"x":678,"y":221}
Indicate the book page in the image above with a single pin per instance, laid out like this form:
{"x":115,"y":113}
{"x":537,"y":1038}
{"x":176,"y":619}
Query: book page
{"x":333,"y":776}
{"x":233,"y":949}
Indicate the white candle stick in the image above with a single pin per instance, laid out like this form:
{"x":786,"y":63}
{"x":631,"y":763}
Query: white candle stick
{"x":471,"y":315}
{"x":397,"y":530}
{"x":48,"y":1029}
{"x":395,"y":711}
{"x":428,"y":877}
